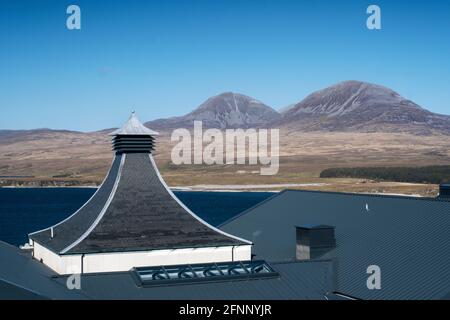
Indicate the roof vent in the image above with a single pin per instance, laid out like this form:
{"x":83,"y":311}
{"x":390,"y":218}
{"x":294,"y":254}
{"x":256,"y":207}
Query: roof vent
{"x":134,"y":137}
{"x":313,"y":241}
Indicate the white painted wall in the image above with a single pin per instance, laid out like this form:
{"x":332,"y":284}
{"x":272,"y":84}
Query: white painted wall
{"x":70,"y":264}
{"x":243,"y":253}
{"x":124,"y":261}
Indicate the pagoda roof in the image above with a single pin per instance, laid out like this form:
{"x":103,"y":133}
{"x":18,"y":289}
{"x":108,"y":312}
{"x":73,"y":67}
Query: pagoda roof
{"x":134,"y":127}
{"x":133,"y":210}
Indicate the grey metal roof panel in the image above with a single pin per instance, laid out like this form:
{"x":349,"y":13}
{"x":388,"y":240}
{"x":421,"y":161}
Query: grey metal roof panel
{"x":315,"y":226}
{"x":338,"y":297}
{"x":298,"y":280}
{"x":9,"y":291}
{"x":408,"y":238}
{"x":22,"y":277}
{"x":134,"y":127}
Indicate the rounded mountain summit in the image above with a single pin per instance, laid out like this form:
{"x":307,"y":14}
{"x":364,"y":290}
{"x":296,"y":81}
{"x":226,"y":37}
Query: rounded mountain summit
{"x":349,"y":106}
{"x":361,"y":106}
{"x":226,"y":110}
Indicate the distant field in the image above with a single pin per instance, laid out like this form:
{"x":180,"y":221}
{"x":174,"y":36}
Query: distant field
{"x":83,"y":159}
{"x":428,"y":174}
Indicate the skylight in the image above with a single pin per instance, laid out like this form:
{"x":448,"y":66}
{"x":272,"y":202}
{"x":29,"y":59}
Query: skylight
{"x":209,"y":272}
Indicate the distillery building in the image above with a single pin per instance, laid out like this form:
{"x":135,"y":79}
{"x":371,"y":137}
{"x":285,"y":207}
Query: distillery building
{"x":133,"y":220}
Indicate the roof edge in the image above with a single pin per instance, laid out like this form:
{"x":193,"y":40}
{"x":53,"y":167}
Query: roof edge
{"x":151,"y":249}
{"x":251,"y":208}
{"x":329,"y":192}
{"x":102,"y":213}
{"x":189,"y":211}
{"x":89,"y":200}
{"x":373,"y":195}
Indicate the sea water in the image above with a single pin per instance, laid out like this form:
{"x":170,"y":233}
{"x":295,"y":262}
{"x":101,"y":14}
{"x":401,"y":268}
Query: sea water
{"x":24,"y":210}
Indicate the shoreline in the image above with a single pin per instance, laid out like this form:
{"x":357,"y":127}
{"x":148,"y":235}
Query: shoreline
{"x":201,"y":188}
{"x":245,"y":188}
{"x":228,"y":188}
{"x":175,"y":189}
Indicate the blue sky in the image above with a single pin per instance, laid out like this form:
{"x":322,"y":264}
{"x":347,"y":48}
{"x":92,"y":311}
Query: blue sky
{"x":164,"y":58}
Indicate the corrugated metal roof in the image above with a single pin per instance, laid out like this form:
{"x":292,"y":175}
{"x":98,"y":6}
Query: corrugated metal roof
{"x":298,"y":280}
{"x":21,"y":277}
{"x":9,"y":291}
{"x":408,"y":238}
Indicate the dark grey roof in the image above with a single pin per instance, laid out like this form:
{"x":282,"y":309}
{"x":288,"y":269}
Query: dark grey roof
{"x":298,"y":280}
{"x":71,"y":229}
{"x":338,"y":297}
{"x":21,"y":277}
{"x":24,"y":278}
{"x":9,"y":291}
{"x":408,"y":238}
{"x":141,"y":214}
{"x":315,"y":226}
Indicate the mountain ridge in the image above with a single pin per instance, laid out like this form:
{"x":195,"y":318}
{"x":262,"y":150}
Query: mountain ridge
{"x":343,"y":107}
{"x":226,"y":110}
{"x":363,"y":107}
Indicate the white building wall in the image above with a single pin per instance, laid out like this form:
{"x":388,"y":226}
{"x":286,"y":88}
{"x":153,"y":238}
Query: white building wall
{"x":60,"y":264}
{"x":124,"y":261}
{"x":242,"y":253}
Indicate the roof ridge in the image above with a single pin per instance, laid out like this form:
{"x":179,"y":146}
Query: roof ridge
{"x":102,"y":212}
{"x":251,"y":208}
{"x":133,"y":127}
{"x":374,"y":195}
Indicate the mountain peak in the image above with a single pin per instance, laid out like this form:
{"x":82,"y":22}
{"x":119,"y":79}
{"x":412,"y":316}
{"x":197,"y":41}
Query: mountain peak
{"x":346,"y":106}
{"x":361,"y":106}
{"x":225,"y":110}
{"x":234,"y":95}
{"x":348,"y":96}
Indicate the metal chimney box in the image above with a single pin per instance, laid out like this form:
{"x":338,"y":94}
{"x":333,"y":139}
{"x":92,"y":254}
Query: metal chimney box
{"x":314,"y":241}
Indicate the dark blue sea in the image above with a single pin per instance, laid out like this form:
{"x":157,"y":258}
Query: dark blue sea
{"x":26,"y":210}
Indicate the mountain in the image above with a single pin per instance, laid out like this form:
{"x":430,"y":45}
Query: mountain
{"x":286,"y":108}
{"x":362,"y":107}
{"x":18,"y":135}
{"x":227,"y":110}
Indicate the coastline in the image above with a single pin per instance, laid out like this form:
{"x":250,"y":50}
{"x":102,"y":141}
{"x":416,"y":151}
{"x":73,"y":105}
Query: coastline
{"x":175,"y":188}
{"x":224,"y":188}
{"x":199,"y":188}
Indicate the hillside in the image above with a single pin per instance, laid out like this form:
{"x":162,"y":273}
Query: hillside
{"x":349,"y":125}
{"x":362,"y":107}
{"x":227,"y":110}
